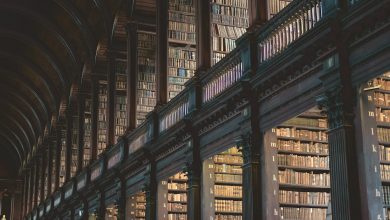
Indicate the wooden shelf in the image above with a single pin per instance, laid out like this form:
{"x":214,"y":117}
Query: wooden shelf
{"x":301,"y":168}
{"x":228,"y":183}
{"x":299,"y":205}
{"x":303,"y":153}
{"x":301,"y":139}
{"x":304,"y":187}
{"x":228,"y":213}
{"x":228,"y":198}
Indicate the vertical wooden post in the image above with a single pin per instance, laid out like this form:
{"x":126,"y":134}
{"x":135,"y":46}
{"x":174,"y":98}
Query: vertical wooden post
{"x":203,"y":34}
{"x":58,"y":157}
{"x":258,"y":12}
{"x":194,"y":173}
{"x":69,"y":129}
{"x":94,"y":117}
{"x":43,"y":169}
{"x":150,"y":189}
{"x":50,"y":165}
{"x":31,"y":187}
{"x":111,"y":89}
{"x":81,"y":113}
{"x":36,"y":180}
{"x":132,"y":72}
{"x":162,"y":51}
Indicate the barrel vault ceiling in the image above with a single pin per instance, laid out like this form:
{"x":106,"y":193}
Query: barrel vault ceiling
{"x":46,"y":47}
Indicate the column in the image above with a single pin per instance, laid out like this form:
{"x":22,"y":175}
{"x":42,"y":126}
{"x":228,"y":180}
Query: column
{"x":132,"y":72}
{"x":43,"y":169}
{"x":81,"y":112}
{"x":36,"y":180}
{"x":50,"y":165}
{"x":122,"y":199}
{"x":203,"y":34}
{"x":25,"y":193}
{"x":194,"y":173}
{"x":111,"y":99}
{"x":31,"y":188}
{"x":69,"y":130}
{"x":150,"y":188}
{"x":58,"y":157}
{"x":251,"y":177}
{"x":258,"y":12}
{"x":343,"y":158}
{"x":94,"y":117}
{"x":162,"y":51}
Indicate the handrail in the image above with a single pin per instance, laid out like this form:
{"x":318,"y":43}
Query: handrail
{"x":175,"y":113}
{"x":223,"y":76}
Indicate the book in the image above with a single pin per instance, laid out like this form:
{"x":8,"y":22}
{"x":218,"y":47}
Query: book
{"x":102,"y":117}
{"x":229,"y":20}
{"x":302,"y":157}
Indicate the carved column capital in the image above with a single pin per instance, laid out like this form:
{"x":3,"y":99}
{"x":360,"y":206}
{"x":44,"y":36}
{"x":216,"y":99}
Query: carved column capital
{"x":334,"y":105}
{"x":245,"y":144}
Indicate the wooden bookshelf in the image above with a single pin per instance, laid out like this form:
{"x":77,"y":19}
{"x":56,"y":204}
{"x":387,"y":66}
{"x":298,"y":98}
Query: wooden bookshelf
{"x":177,"y":197}
{"x":102,"y":117}
{"x":120,"y":99}
{"x":87,"y":132}
{"x":75,"y":146}
{"x":181,"y":45}
{"x":146,"y":79}
{"x":62,"y":160}
{"x":137,"y":206}
{"x":229,"y":20}
{"x":223,"y":177}
{"x":302,"y":158}
{"x":111,"y":212}
{"x":382,"y":116}
{"x":275,"y":6}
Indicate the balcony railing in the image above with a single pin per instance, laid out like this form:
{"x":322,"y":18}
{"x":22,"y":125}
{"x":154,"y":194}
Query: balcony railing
{"x":223,"y":76}
{"x":289,"y":25}
{"x":179,"y":109}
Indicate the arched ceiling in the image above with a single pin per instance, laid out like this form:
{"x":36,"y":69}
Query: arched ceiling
{"x":44,"y":47}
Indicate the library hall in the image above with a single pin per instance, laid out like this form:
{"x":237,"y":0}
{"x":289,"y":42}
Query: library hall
{"x":195,"y":110}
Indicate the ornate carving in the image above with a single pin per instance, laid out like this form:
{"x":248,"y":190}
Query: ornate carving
{"x":333,"y":105}
{"x":246,"y":146}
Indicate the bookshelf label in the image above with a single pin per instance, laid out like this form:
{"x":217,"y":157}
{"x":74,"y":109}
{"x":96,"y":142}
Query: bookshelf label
{"x":373,"y":148}
{"x":371,"y":113}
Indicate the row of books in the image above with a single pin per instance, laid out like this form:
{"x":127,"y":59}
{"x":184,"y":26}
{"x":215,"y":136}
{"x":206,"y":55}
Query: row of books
{"x":302,"y":213}
{"x":230,"y":20}
{"x":382,"y":115}
{"x":180,"y":17}
{"x":382,"y":98}
{"x":224,"y":45}
{"x":307,"y":122}
{"x":181,"y":26}
{"x":228,"y":206}
{"x":289,"y":176}
{"x":383,"y":134}
{"x":274,"y":6}
{"x":146,"y":76}
{"x":217,"y":56}
{"x":385,"y":171}
{"x":309,"y":198}
{"x":177,"y":186}
{"x":228,"y":178}
{"x":177,"y":216}
{"x":226,"y":168}
{"x":146,"y":101}
{"x":147,"y":85}
{"x":179,"y":71}
{"x":102,"y":118}
{"x":228,"y":159}
{"x":186,"y":37}
{"x":384,"y":153}
{"x":228,"y":191}
{"x":177,"y":80}
{"x":384,"y":82}
{"x":181,"y":63}
{"x":177,"y":197}
{"x":137,"y":206}
{"x":120,"y":82}
{"x":302,"y":133}
{"x":303,"y":161}
{"x":386,"y":194}
{"x":177,"y":207}
{"x":180,"y":53}
{"x":304,"y":147}
{"x":236,"y":3}
{"x":144,"y":109}
{"x":227,"y":217}
{"x":231,"y":32}
{"x":229,"y":10}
